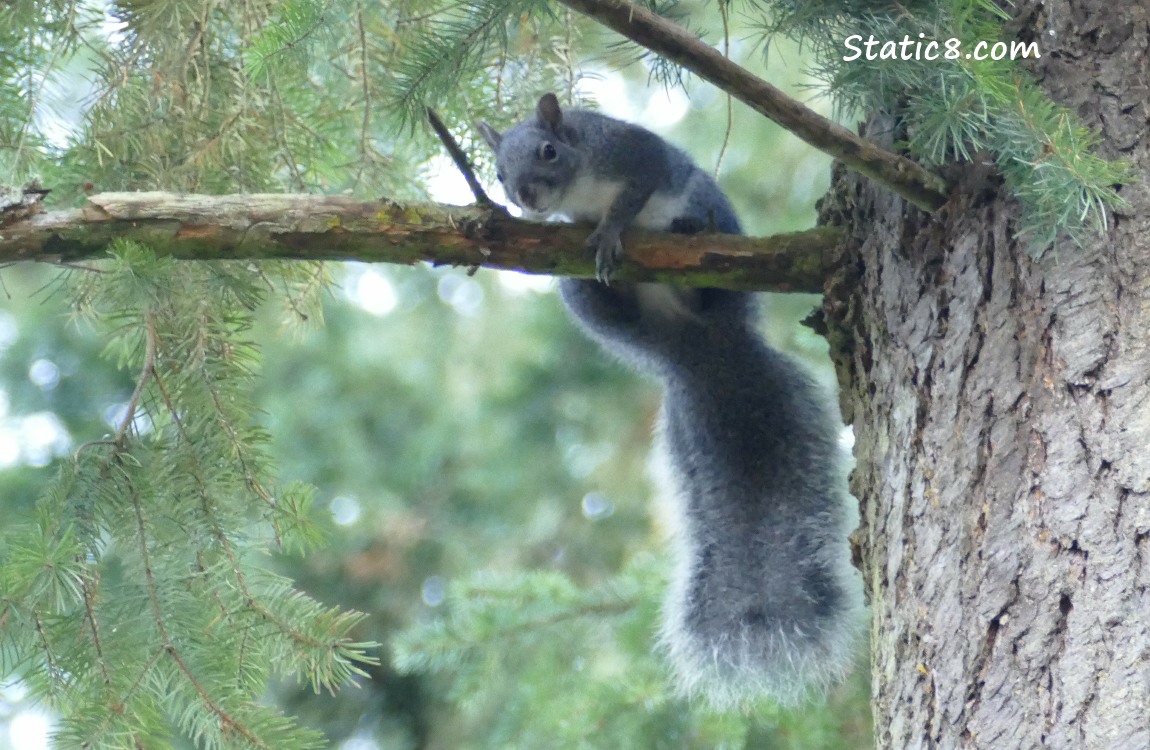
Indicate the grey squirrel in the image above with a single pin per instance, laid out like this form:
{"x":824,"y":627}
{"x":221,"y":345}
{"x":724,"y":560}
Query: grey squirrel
{"x":764,"y":601}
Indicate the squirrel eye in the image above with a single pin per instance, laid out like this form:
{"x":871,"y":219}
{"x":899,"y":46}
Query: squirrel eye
{"x":548,"y":152}
{"x":499,"y":176}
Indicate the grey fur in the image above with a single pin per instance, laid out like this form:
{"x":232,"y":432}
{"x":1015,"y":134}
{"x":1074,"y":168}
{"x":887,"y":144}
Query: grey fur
{"x":764,"y":601}
{"x":604,"y":171}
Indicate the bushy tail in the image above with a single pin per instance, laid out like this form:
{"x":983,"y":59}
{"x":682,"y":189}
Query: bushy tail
{"x":764,"y":603}
{"x":737,"y":640}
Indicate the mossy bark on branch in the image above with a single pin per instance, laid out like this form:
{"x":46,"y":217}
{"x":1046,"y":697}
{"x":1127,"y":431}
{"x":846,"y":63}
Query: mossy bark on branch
{"x":266,"y":226}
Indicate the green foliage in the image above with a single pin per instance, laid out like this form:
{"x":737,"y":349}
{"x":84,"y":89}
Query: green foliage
{"x":462,"y":39}
{"x":138,"y":601}
{"x":952,"y":109}
{"x":195,"y":96}
{"x":583,"y":672}
{"x":577,"y":654}
{"x":285,"y":41}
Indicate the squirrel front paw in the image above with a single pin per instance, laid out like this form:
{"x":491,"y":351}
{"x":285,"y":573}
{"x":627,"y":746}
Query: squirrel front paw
{"x":607,"y":248}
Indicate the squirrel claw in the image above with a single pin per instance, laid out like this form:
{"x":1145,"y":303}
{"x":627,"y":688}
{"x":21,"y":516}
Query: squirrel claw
{"x":604,"y":268}
{"x":607,"y":251}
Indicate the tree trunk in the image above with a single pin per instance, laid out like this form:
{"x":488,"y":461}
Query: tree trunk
{"x":1001,"y":406}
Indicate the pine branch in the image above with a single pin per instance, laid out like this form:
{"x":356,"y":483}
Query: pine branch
{"x":955,"y":108}
{"x":454,"y":43}
{"x":903,"y":176}
{"x":188,"y":637}
{"x":277,"y":226}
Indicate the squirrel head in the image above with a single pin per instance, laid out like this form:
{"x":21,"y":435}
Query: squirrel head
{"x":536,"y":160}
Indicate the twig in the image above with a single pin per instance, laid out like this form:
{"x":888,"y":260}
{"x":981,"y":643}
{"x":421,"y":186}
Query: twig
{"x":146,"y":374}
{"x":460,"y":159}
{"x":227,"y":722}
{"x":903,"y":176}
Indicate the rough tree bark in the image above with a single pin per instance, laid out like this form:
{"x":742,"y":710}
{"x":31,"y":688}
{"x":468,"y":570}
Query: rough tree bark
{"x":1002,"y":413}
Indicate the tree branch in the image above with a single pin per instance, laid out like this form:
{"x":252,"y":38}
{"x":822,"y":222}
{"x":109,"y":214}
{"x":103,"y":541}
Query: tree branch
{"x":903,"y":176}
{"x":267,"y":226}
{"x":455,"y":151}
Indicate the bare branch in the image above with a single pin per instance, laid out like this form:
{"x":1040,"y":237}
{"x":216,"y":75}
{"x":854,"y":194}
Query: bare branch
{"x":267,"y":226}
{"x":903,"y":176}
{"x":460,"y":159}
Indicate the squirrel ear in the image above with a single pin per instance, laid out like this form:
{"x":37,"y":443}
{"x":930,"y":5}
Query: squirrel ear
{"x":491,"y":135}
{"x":548,"y":112}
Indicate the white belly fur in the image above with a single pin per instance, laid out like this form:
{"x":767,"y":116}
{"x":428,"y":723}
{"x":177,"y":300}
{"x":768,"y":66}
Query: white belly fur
{"x":663,"y":208}
{"x":589,"y":198}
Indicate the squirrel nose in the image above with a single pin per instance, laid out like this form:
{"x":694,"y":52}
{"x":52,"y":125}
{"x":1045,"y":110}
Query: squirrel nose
{"x":527,"y":197}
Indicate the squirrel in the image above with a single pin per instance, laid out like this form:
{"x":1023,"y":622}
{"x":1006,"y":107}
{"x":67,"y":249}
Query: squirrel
{"x":764,"y":601}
